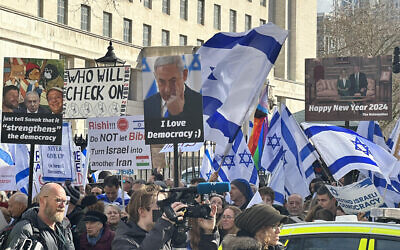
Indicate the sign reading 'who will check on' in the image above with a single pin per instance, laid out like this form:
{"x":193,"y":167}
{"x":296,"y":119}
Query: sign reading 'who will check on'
{"x":118,"y":143}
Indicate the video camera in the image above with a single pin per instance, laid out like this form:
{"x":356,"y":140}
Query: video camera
{"x":188,"y":196}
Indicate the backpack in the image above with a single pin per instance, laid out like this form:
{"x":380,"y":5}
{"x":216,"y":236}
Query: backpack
{"x":35,"y":242}
{"x":4,"y":236}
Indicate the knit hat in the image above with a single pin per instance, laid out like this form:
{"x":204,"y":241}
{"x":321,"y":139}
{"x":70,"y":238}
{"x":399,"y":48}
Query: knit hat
{"x":244,"y":188}
{"x":254,"y":218}
{"x":95,"y":216}
{"x":73,"y":193}
{"x":88,"y":200}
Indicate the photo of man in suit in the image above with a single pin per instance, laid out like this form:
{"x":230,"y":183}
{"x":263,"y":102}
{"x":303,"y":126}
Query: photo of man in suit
{"x":175,"y":98}
{"x":358,"y":82}
{"x":32,"y":104}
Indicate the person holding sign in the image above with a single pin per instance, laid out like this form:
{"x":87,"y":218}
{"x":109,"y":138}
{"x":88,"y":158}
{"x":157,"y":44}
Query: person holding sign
{"x":174,"y":99}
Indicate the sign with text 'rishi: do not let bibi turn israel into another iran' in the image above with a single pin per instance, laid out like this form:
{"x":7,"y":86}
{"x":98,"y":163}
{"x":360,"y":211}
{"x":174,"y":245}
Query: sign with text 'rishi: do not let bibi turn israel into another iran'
{"x":118,"y":143}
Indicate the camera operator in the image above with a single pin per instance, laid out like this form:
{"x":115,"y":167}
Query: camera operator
{"x":140,"y":232}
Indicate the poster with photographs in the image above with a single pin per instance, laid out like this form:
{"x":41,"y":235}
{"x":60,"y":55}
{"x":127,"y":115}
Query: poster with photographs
{"x":348,"y":89}
{"x":173,"y":109}
{"x":32,"y":105}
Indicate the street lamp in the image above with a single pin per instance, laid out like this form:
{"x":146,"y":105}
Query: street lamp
{"x":110,"y":59}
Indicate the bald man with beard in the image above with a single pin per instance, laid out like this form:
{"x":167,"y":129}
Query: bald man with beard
{"x":44,"y":224}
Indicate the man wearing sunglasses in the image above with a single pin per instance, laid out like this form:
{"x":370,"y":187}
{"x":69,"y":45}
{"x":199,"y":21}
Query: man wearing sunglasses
{"x":43,"y":225}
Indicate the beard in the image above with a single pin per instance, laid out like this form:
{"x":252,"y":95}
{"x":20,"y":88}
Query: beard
{"x":56,"y":216}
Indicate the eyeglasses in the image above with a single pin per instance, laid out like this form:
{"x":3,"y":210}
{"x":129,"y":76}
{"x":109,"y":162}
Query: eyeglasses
{"x":59,"y":201}
{"x":227,"y":217}
{"x":276,"y":227}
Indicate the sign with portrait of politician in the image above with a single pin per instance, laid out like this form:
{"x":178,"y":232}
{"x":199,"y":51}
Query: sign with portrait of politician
{"x":173,"y":110}
{"x":96,"y":92}
{"x":348,"y":89}
{"x":32,"y":107}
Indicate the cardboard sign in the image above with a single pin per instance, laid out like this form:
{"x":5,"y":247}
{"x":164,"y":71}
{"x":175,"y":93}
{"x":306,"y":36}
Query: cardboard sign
{"x":118,"y":143}
{"x":173,"y":109}
{"x":32,"y":101}
{"x":96,"y":92}
{"x":7,"y":178}
{"x":357,"y":197}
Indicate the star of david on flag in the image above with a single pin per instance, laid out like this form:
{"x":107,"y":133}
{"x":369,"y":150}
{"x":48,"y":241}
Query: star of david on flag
{"x":358,"y":145}
{"x":245,"y":158}
{"x":273,"y":141}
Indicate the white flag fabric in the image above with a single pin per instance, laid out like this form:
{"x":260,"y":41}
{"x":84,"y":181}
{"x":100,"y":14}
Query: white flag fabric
{"x":281,"y":158}
{"x":237,"y":163}
{"x":372,"y":131}
{"x":390,"y":191}
{"x":20,"y":154}
{"x":5,"y":155}
{"x":298,"y":144}
{"x":234,"y":68}
{"x":394,"y":139}
{"x":206,"y":167}
{"x":344,"y":150}
{"x":257,"y":199}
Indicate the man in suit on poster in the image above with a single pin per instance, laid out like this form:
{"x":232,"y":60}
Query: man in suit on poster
{"x":174,"y":99}
{"x":358,"y":82}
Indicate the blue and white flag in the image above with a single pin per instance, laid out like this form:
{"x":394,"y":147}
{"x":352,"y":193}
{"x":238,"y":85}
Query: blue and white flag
{"x":393,"y":140}
{"x":281,"y":158}
{"x":372,"y":131}
{"x":206,"y":167}
{"x":5,"y":155}
{"x":298,"y":144}
{"x":344,"y":150}
{"x":390,"y":191}
{"x":20,"y":155}
{"x":236,"y":163}
{"x":234,"y":68}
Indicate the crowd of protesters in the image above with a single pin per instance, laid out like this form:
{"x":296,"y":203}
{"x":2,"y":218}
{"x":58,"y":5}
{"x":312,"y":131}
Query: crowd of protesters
{"x":107,"y":216}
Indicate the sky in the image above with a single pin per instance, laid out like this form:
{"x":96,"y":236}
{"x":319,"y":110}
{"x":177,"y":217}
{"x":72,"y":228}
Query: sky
{"x":324,"y":5}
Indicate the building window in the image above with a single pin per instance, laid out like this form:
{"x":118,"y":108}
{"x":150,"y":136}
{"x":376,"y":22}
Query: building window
{"x":166,"y":7}
{"x":85,"y":17}
{"x":40,"y":8}
{"x":232,"y":20}
{"x":107,"y":24}
{"x":146,"y":35}
{"x":200,"y":42}
{"x":62,"y":11}
{"x":147,"y":3}
{"x":184,"y":9}
{"x":263,"y":2}
{"x":247,"y":22}
{"x":182,"y":40}
{"x":164,"y":37}
{"x":200,"y":12}
{"x":127,"y":30}
{"x":217,"y":16}
{"x":89,"y":63}
{"x":262,"y":22}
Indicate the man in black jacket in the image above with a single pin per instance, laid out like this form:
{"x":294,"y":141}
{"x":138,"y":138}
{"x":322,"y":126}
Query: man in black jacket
{"x":44,"y":225}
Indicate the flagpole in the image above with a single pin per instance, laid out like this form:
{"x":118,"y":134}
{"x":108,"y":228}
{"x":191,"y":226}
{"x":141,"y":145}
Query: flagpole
{"x":31,"y":159}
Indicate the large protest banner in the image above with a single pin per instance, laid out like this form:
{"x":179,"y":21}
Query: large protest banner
{"x":32,"y":101}
{"x":357,"y":197}
{"x":173,"y":109}
{"x":96,"y":92}
{"x":118,"y":143}
{"x":348,"y":89}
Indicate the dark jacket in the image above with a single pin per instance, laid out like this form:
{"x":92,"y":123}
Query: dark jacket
{"x":58,"y":239}
{"x":104,"y":243}
{"x":130,"y":236}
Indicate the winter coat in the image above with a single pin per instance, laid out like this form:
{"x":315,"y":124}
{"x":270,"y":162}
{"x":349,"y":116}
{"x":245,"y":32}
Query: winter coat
{"x":31,"y":226}
{"x":104,"y":243}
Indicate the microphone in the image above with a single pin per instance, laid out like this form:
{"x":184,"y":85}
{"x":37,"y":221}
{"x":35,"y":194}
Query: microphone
{"x":203,"y":188}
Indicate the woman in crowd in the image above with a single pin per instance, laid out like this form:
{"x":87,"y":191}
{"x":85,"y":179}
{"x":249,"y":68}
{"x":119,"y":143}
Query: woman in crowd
{"x":113,"y":214}
{"x":98,"y":235}
{"x":227,"y":223}
{"x":263,"y":223}
{"x":219,"y":201}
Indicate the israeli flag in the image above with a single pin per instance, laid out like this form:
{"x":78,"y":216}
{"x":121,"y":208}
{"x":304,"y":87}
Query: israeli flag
{"x":206,"y":167}
{"x":372,"y":131}
{"x":5,"y":155}
{"x":298,"y":144}
{"x":236,"y":163}
{"x":234,"y":68}
{"x":394,"y":138}
{"x":20,"y":156}
{"x":281,"y":158}
{"x":344,"y":150}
